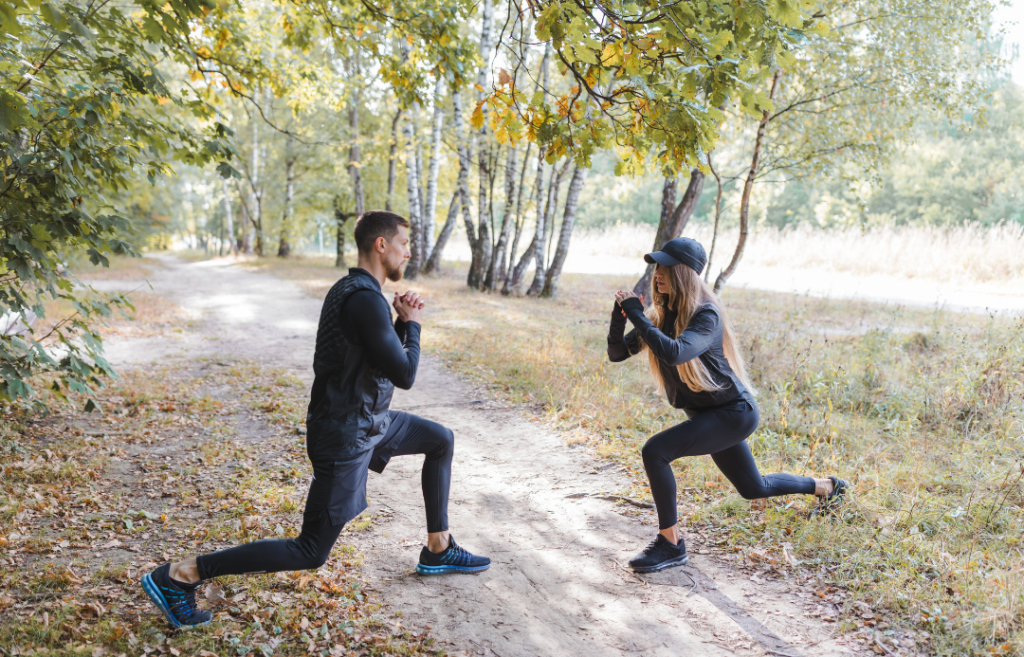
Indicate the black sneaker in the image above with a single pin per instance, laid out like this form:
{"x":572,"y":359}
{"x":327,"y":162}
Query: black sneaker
{"x":453,"y":560}
{"x":176,"y":600}
{"x":828,"y":505}
{"x":660,"y":554}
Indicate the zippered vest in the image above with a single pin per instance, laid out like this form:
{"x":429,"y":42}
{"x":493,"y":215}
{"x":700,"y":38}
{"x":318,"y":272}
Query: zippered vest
{"x":348,"y":411}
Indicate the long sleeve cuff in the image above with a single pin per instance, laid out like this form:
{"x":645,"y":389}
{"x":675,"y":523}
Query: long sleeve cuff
{"x":632,"y":307}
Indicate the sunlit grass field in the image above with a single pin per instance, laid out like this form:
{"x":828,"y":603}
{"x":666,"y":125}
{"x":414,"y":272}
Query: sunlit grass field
{"x":920,"y":410}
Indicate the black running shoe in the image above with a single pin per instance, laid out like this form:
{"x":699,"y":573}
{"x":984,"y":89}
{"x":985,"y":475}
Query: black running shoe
{"x":453,"y":560}
{"x":660,"y":554}
{"x":177,"y":601}
{"x":828,"y":505}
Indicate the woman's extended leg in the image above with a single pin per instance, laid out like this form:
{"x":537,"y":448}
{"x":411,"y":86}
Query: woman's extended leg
{"x":737,"y":464}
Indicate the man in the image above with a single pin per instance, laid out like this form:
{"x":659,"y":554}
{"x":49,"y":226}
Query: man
{"x":360,"y":357}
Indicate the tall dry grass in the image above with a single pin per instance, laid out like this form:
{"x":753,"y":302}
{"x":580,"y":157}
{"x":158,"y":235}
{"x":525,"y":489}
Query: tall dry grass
{"x":969,"y":254}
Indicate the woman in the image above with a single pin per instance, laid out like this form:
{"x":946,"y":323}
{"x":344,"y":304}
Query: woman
{"x":696,"y":362}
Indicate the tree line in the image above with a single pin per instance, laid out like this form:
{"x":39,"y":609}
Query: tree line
{"x":281,"y":119}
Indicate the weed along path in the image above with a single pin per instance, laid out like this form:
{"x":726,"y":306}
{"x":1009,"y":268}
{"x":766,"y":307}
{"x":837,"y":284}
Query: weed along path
{"x":537,"y":507}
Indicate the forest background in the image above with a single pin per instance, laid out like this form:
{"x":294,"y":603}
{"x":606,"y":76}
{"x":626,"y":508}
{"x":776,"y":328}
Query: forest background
{"x":863,"y":136}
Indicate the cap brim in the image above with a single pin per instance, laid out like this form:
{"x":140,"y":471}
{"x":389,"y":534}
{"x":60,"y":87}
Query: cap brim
{"x":661,"y":258}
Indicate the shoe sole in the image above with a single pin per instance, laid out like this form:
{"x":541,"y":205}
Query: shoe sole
{"x":678,"y":561}
{"x":443,"y":570}
{"x":153,"y":591}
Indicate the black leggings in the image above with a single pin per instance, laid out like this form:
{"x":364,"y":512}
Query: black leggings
{"x":310,"y":549}
{"x":722,"y":433}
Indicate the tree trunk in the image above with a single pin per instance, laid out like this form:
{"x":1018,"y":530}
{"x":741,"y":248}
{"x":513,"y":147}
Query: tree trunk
{"x":755,"y":161}
{"x":229,"y":223}
{"x":718,"y":214}
{"x":518,"y":220}
{"x":543,"y":227}
{"x":434,"y":261}
{"x":244,"y":225}
{"x":579,"y":177}
{"x":392,"y":156}
{"x":354,"y":158}
{"x":284,"y":248}
{"x":430,"y":207}
{"x":254,"y":199}
{"x":671,"y":226}
{"x":496,"y":270}
{"x":514,"y":279}
{"x":465,"y":162}
{"x":412,"y":170}
{"x":481,"y":246}
{"x":341,"y":217}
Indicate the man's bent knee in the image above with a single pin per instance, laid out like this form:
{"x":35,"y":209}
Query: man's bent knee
{"x":446,"y":441}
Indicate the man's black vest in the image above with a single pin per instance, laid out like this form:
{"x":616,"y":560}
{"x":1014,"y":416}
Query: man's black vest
{"x":348,"y":409}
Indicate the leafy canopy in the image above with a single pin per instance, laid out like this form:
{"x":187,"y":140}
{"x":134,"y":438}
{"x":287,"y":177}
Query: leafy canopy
{"x":85,"y":104}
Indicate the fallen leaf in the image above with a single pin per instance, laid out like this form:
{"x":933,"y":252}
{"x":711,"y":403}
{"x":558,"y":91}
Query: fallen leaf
{"x":215,"y":593}
{"x":90,"y":610}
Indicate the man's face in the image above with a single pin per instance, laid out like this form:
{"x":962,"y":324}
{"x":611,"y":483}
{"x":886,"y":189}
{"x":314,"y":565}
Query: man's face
{"x":396,"y":253}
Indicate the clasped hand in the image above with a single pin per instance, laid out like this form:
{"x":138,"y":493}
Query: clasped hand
{"x":409,"y":306}
{"x":622,"y":295}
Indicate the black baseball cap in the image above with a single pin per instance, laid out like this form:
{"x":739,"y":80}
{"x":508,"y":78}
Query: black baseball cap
{"x":681,"y":250}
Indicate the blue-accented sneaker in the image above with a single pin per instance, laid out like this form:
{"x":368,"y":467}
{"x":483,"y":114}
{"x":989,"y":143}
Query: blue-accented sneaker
{"x":177,"y":602}
{"x":660,"y":554}
{"x":453,"y":560}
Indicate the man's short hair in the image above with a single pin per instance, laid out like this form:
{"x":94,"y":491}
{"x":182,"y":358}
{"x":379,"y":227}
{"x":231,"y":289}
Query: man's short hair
{"x":377,"y":223}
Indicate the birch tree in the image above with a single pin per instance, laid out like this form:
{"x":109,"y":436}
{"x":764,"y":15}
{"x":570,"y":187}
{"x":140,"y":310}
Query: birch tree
{"x":672,"y":221}
{"x":579,"y":178}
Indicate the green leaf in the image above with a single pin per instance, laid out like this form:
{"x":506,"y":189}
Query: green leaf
{"x":53,"y":17}
{"x":13,"y":111}
{"x":80,"y":29}
{"x":9,"y":17}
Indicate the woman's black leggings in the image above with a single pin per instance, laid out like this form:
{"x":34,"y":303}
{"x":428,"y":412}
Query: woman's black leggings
{"x":310,"y":549}
{"x":721,"y":432}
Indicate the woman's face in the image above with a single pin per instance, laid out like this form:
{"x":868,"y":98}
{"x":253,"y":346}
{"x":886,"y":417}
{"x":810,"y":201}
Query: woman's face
{"x":661,"y":279}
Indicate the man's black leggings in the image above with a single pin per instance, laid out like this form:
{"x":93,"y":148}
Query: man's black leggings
{"x":721,"y":432}
{"x":310,"y":549}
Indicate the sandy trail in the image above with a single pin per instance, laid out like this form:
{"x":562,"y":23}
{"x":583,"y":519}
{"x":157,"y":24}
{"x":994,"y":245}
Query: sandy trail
{"x":558,"y":585}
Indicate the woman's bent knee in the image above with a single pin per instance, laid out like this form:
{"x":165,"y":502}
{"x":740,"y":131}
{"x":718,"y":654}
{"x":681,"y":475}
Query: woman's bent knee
{"x":652,"y":454}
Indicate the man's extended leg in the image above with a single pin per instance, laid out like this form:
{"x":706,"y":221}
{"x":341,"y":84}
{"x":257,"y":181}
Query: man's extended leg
{"x":172,"y":586}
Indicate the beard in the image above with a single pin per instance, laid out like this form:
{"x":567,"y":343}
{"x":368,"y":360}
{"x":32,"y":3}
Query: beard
{"x":394,"y":274}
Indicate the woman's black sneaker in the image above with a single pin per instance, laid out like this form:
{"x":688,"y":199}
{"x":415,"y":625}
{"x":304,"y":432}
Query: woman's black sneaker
{"x":660,"y":554}
{"x":176,"y":600}
{"x":828,"y":505}
{"x":453,"y":560}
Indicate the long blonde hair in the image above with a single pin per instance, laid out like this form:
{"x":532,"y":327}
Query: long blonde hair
{"x":686,"y":293}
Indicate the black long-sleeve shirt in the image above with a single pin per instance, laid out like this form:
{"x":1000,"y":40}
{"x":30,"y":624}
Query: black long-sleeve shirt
{"x":702,"y":339}
{"x":360,"y":357}
{"x":394,"y":350}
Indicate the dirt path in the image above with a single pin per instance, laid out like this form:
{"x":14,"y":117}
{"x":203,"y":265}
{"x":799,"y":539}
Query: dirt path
{"x":558,"y":585}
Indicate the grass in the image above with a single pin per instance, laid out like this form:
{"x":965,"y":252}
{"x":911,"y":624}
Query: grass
{"x":921,"y":410}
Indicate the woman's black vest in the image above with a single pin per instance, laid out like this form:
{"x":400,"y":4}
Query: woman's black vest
{"x":348,"y":408}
